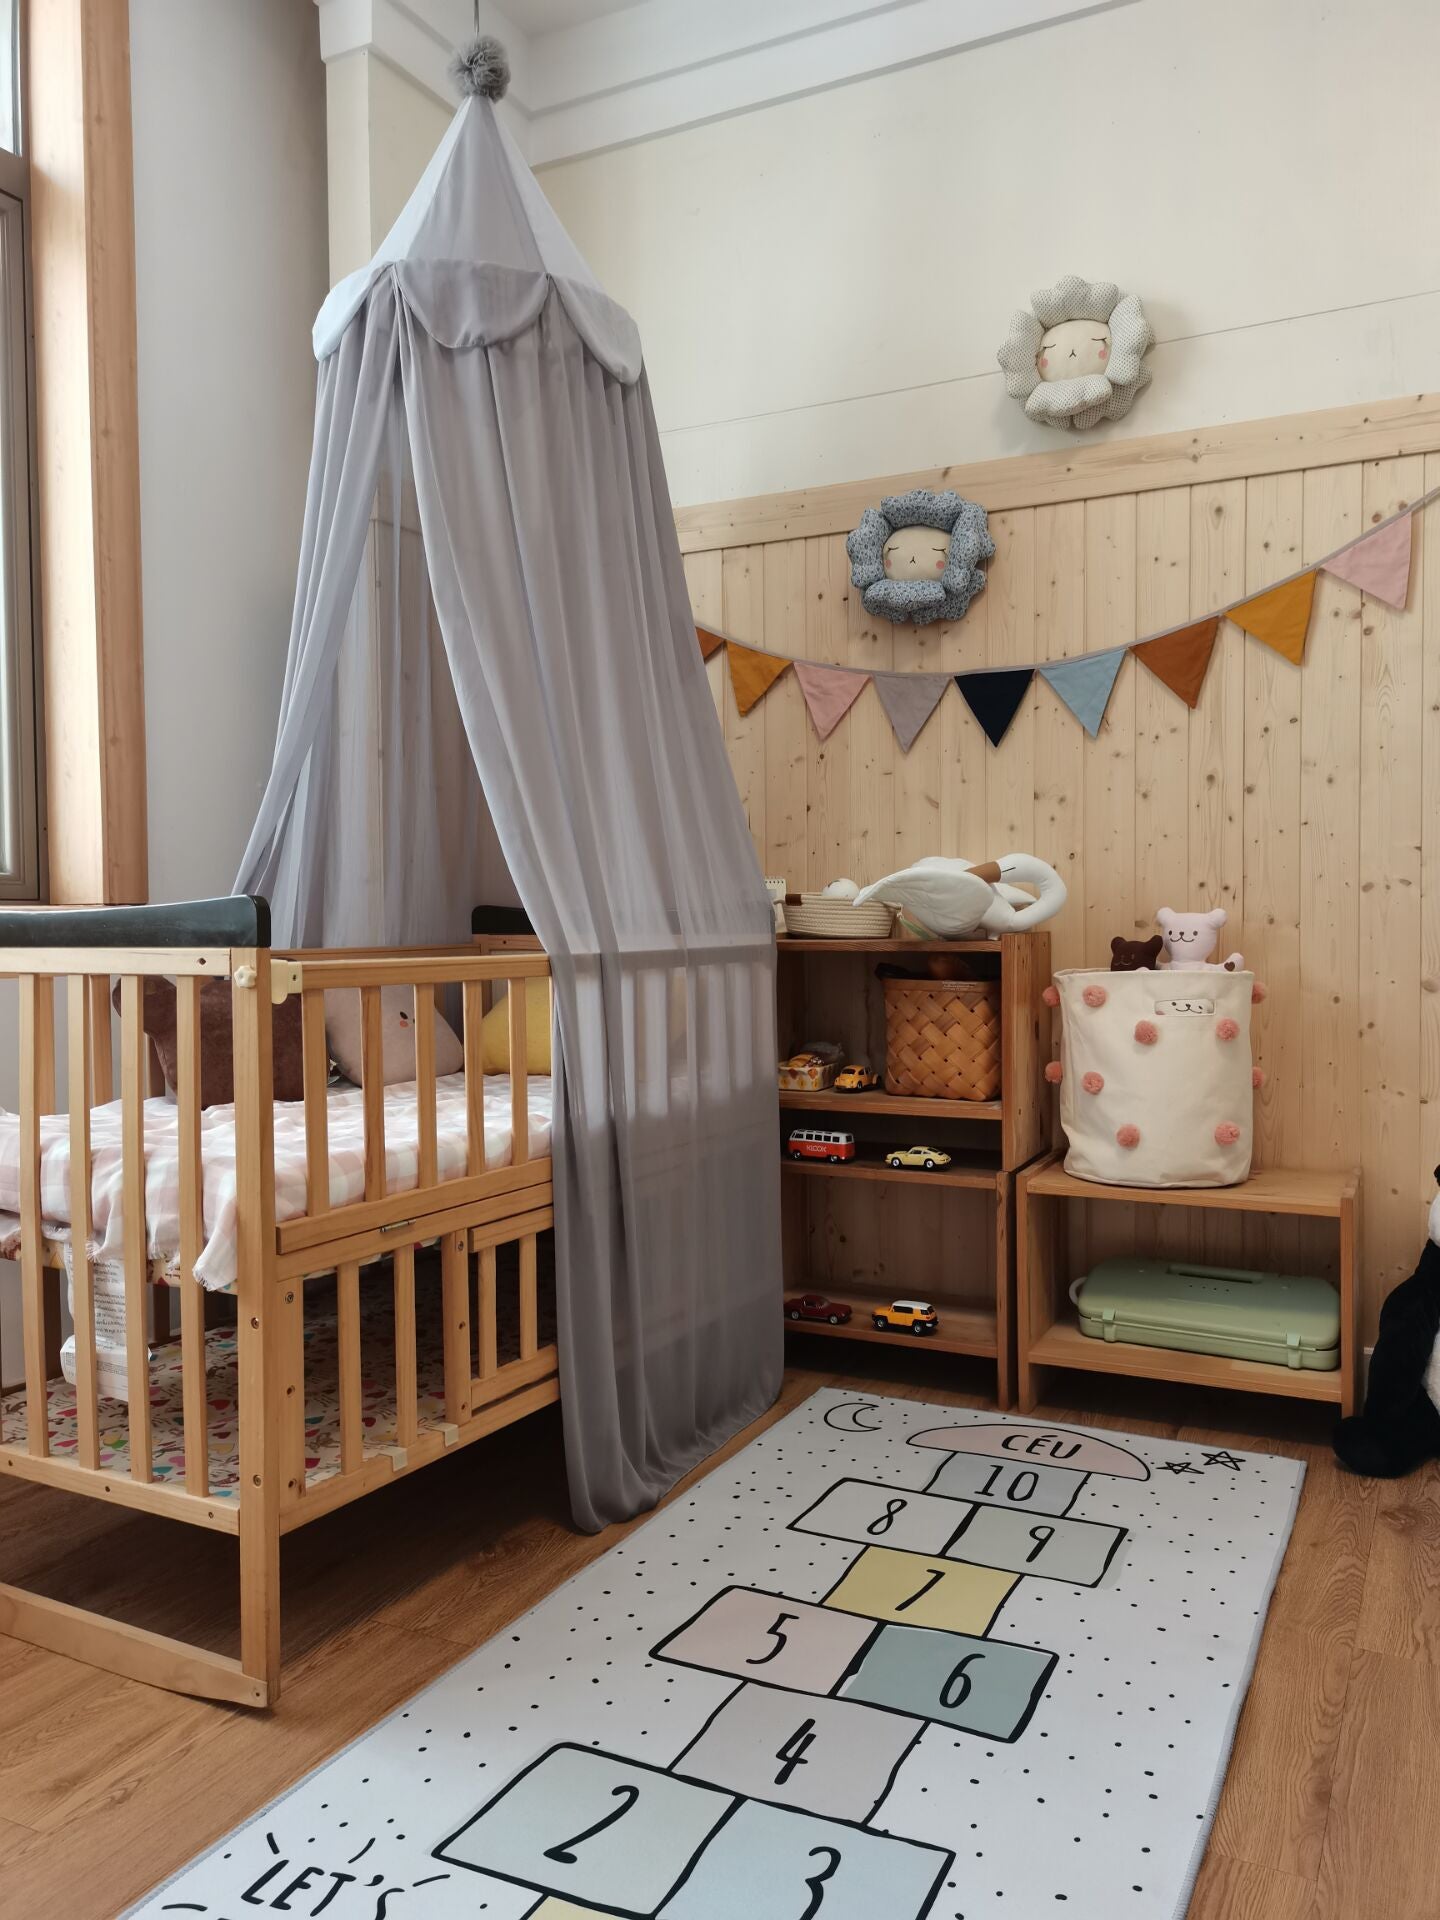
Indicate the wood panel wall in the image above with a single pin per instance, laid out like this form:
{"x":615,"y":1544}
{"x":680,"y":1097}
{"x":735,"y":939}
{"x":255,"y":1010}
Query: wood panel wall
{"x":1305,"y":801}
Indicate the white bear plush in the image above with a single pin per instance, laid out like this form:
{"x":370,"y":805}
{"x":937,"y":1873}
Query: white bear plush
{"x":1190,"y":939}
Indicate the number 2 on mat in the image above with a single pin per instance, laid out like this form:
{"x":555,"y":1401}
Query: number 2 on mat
{"x":792,"y":1754}
{"x":564,"y":1853}
{"x":816,"y":1881}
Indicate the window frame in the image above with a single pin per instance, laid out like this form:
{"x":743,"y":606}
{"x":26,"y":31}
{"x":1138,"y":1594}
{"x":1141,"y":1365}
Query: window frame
{"x":22,"y":865}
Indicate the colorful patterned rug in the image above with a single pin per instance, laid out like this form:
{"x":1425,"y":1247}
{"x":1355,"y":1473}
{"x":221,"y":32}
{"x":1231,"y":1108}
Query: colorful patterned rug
{"x":890,"y":1661}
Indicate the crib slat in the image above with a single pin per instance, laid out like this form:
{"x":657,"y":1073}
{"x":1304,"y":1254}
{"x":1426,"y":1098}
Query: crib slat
{"x":292,"y":1377}
{"x":372,"y":1080}
{"x":425,"y":1085}
{"x":102,"y":1060}
{"x":519,"y":1075}
{"x":347,"y":1300}
{"x":407,"y":1425}
{"x":455,"y":1304}
{"x":87,"y":1412}
{"x":474,"y":1079}
{"x":134,"y":1079}
{"x":192,"y":1236}
{"x":485,"y":1312}
{"x":316,"y":1058}
{"x":35,"y":996}
{"x":529,"y":1304}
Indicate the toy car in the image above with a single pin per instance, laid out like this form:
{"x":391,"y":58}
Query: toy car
{"x":855,"y":1079}
{"x":907,"y":1316}
{"x":814,"y":1306}
{"x":821,"y":1143}
{"x":927,"y":1157}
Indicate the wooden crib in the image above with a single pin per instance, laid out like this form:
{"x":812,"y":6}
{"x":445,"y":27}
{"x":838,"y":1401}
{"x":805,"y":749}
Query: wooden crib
{"x":479,"y":1223}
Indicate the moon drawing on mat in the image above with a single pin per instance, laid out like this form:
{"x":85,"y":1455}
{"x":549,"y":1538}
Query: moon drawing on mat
{"x":846,"y":1418}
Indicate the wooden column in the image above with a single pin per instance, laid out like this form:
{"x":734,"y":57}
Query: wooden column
{"x":83,"y":263}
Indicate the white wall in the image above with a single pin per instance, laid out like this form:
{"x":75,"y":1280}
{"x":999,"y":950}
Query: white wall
{"x":230,"y":241}
{"x":821,"y":284}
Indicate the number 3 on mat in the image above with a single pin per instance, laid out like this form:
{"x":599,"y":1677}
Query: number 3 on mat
{"x":816,"y":1881}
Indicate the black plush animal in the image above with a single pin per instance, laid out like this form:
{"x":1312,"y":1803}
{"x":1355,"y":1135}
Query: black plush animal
{"x":1399,"y":1429}
{"x":1134,"y":956}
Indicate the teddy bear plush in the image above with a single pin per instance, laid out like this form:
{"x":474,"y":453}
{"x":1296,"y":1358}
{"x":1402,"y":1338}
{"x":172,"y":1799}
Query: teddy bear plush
{"x":1191,"y":938}
{"x":1134,"y":956}
{"x":1399,"y":1428}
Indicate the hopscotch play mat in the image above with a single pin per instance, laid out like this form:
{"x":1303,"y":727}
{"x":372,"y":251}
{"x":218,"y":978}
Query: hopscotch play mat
{"x":891,"y":1660}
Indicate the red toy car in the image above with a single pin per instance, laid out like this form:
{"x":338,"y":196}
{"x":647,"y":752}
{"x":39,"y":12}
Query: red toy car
{"x":814,"y":1306}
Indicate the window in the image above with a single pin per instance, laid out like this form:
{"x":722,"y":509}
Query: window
{"x":20,"y":811}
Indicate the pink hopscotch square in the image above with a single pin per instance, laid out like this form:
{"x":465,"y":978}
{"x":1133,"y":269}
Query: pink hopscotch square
{"x":771,"y":1639}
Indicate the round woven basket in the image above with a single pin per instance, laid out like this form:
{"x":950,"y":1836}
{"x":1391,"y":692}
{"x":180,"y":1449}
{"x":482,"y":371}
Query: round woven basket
{"x":942,"y":1039}
{"x":839,"y":919}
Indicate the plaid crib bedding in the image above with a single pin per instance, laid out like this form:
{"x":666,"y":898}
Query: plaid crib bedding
{"x":216,"y":1267}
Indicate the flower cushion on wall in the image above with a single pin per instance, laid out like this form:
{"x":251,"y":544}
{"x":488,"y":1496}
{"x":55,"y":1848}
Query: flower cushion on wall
{"x":1171,"y":1053}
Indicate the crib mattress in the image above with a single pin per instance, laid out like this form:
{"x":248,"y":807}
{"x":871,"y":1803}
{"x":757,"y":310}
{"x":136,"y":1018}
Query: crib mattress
{"x":322,"y":1394}
{"x":216,"y":1267}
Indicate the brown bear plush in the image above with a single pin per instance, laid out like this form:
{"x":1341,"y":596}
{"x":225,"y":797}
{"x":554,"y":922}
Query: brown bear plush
{"x":1134,"y":956}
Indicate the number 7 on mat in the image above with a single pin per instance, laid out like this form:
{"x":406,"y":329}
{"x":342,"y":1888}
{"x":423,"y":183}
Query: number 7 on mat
{"x":954,"y":1595}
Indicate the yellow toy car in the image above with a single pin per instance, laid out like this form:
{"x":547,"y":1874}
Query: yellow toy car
{"x":927,"y":1157}
{"x":907,"y":1316}
{"x":855,"y":1079}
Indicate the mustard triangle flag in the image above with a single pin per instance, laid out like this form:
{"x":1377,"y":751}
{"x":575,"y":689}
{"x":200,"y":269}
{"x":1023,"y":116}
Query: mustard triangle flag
{"x":752,"y":674}
{"x":1281,"y":617}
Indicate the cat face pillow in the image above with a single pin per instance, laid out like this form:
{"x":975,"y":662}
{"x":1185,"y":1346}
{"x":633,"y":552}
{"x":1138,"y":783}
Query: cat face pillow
{"x":1134,"y":956}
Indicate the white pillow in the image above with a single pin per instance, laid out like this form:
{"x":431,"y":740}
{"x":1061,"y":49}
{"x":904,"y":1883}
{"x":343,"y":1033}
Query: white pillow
{"x":397,"y":1035}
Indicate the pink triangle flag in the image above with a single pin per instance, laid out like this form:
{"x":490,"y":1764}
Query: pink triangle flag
{"x":1378,"y":563}
{"x":830,"y":692}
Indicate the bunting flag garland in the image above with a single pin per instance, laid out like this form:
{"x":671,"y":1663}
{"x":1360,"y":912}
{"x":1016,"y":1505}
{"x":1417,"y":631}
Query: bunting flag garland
{"x":909,"y":699}
{"x":1085,"y":683}
{"x":1281,"y":617}
{"x":829,"y":692}
{"x":752,"y":673}
{"x":994,"y":697}
{"x":1378,"y":563}
{"x":1180,"y":660}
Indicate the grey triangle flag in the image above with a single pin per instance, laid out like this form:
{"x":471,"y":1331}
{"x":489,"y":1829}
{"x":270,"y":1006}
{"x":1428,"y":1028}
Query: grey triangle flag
{"x":909,"y":699}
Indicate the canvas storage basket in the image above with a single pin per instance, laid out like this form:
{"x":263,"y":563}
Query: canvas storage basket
{"x":942,"y":1039}
{"x":1156,"y":1085}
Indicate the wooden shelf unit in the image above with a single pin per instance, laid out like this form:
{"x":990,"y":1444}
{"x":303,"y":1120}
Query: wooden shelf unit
{"x":1048,"y":1335}
{"x":851,"y":1230}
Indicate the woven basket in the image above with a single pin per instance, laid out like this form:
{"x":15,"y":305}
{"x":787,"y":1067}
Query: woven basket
{"x":839,"y":919}
{"x":942,"y":1039}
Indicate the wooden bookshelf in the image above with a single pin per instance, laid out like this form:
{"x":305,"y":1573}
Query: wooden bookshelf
{"x":864,"y":1233}
{"x":1049,"y":1337}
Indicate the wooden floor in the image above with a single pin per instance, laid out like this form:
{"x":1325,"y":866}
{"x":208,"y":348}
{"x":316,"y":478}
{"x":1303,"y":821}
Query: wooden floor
{"x":1331,"y":1810}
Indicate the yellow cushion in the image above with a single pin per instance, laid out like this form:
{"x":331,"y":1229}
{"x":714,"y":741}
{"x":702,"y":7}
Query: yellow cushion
{"x":495,"y":1031}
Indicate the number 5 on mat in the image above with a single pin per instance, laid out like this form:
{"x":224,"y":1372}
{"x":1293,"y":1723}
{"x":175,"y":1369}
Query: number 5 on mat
{"x":958,"y":1597}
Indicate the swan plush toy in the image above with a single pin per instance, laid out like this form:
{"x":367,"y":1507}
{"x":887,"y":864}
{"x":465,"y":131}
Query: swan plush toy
{"x":945,"y":899}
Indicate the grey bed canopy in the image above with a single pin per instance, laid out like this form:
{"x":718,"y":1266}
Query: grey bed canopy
{"x":493,"y":680}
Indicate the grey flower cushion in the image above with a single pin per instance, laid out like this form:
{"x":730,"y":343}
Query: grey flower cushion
{"x":893,"y":591}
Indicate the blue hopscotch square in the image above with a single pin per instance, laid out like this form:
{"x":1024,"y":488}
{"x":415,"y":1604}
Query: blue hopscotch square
{"x":833,"y":1757}
{"x":1078,"y":1551}
{"x":767,"y":1863}
{"x":592,"y":1827}
{"x":988,"y":1687}
{"x":894,"y":1517}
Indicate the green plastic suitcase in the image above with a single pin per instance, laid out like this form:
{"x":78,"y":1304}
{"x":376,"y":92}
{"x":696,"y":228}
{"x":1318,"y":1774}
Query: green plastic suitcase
{"x":1289,"y":1320}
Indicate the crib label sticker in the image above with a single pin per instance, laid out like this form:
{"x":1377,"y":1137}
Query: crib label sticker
{"x":769,"y":1638}
{"x":920,"y":1592}
{"x":767,"y":1863}
{"x":863,"y":1511}
{"x":1079,"y":1551}
{"x":988,"y":1687}
{"x":825,"y":1756}
{"x":1007,"y":1483}
{"x":613,"y":1831}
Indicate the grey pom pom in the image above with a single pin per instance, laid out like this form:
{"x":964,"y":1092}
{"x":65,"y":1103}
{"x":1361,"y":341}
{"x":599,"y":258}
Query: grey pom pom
{"x":482,"y":67}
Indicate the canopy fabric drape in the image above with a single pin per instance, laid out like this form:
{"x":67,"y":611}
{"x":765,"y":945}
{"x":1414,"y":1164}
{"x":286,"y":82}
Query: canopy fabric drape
{"x":493,"y":682}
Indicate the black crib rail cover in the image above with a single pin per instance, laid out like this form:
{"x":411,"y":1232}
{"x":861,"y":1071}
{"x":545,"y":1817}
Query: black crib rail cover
{"x":234,"y":920}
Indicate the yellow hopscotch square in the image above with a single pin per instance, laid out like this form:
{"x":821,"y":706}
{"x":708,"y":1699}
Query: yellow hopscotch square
{"x":919,"y":1592}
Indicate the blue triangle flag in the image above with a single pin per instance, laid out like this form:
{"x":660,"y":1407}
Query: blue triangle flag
{"x":1086,"y":683}
{"x":994,"y":697}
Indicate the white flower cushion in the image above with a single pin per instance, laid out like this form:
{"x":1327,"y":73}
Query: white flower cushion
{"x":1156,"y":1087}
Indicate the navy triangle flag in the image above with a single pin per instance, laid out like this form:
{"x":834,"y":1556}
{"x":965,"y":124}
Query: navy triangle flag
{"x":994,"y":698}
